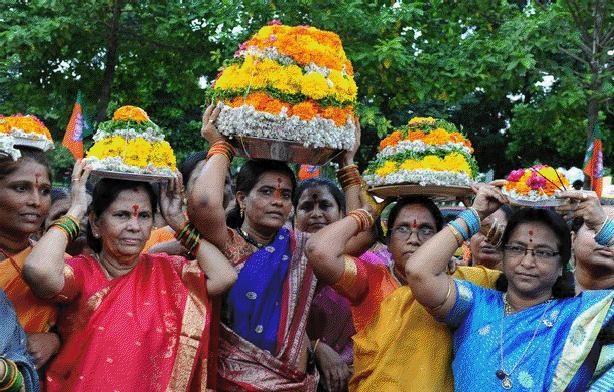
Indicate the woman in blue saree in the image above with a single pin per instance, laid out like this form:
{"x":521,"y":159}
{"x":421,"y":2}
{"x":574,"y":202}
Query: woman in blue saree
{"x":13,"y":352}
{"x":531,"y":334}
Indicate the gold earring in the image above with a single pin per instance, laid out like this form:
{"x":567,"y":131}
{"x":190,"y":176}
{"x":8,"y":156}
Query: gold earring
{"x":242,"y":212}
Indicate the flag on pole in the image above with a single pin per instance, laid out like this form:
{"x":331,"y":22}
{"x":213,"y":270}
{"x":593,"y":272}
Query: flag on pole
{"x":76,"y":130}
{"x":308,"y":171}
{"x":593,"y":161}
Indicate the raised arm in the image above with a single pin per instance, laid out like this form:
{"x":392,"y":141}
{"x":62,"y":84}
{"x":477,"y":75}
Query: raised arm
{"x":326,"y":248}
{"x":350,"y":180}
{"x":44,"y":267}
{"x":426,"y":269}
{"x":206,"y":199}
{"x":218,"y":270}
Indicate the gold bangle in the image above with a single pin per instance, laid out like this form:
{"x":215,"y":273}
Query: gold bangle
{"x":315,"y":346}
{"x":458,"y":236}
{"x":438,"y":307}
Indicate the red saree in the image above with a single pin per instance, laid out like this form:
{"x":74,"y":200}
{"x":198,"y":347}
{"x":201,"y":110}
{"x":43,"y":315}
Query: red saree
{"x":145,"y":331}
{"x":242,"y":366}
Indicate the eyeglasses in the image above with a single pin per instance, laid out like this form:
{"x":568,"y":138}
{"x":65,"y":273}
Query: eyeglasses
{"x":519,"y":250}
{"x":405,"y":232}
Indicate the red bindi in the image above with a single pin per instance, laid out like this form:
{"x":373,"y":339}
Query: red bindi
{"x":530,"y":235}
{"x":278,"y":189}
{"x":135,"y":210}
{"x":415,"y":225}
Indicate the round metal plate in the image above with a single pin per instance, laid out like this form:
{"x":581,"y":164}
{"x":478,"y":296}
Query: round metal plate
{"x":281,"y":150}
{"x":131,"y":176}
{"x":396,"y":190}
{"x":540,"y":203}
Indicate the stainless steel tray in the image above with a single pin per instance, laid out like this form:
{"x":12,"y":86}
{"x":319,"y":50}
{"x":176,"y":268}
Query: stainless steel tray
{"x":405,"y":189}
{"x":281,"y":150}
{"x":131,"y":176}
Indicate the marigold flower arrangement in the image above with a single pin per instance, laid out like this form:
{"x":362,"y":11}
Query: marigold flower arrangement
{"x":537,"y":183}
{"x":426,"y":151}
{"x":290,"y":83}
{"x":23,"y":130}
{"x":131,"y":143}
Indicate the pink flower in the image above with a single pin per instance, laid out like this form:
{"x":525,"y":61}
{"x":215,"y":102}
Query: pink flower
{"x":536,"y":182}
{"x":515,"y":175}
{"x":243,"y":46}
{"x":272,"y":38}
{"x":274,"y":22}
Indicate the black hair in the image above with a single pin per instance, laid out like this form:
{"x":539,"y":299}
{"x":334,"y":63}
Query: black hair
{"x":320,"y":182}
{"x":564,"y":285}
{"x":105,"y":193}
{"x":248,"y":176}
{"x":8,"y":165}
{"x":420,"y":200}
{"x":189,"y":164}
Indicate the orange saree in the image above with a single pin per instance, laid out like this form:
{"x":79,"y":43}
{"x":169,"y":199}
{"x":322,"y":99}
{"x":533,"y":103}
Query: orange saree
{"x":35,"y":315}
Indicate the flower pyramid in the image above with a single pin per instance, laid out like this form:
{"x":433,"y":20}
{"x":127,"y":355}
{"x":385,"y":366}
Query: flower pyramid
{"x":289,"y":83}
{"x":23,"y":130}
{"x":131,"y":143}
{"x":426,"y":151}
{"x":537,"y":183}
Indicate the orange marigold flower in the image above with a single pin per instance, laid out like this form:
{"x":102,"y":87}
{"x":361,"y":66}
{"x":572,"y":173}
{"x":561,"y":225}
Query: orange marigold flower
{"x":130,"y":113}
{"x":338,"y":115}
{"x":415,"y":135}
{"x":305,"y":110}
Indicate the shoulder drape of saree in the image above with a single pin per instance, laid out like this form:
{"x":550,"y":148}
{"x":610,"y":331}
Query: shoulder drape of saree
{"x":35,"y":315}
{"x":164,"y":304}
{"x":580,"y":341}
{"x":243,"y":366}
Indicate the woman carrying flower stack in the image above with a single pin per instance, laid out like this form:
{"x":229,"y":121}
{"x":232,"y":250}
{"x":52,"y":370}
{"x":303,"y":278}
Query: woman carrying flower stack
{"x":263,"y":344}
{"x":531,"y":333}
{"x":130,"y":321}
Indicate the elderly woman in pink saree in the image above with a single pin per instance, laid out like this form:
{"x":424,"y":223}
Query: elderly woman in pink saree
{"x":129,"y":321}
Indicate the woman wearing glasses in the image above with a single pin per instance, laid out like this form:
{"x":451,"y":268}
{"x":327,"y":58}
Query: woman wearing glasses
{"x":530,"y":333}
{"x":397,"y":346}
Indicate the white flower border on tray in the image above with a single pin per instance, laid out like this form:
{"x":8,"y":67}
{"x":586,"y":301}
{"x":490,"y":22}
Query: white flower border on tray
{"x":30,"y":139}
{"x":245,"y":121}
{"x":116,"y":164}
{"x":150,"y":134}
{"x":532,"y":197}
{"x":7,"y":147}
{"x":422,"y":177}
{"x":419,"y":146}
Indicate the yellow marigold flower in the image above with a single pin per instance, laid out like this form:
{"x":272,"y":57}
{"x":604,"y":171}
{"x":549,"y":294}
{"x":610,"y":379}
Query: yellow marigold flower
{"x":433,"y":162}
{"x":417,"y":121}
{"x":387,"y":168}
{"x":456,"y":162}
{"x":162,"y":155}
{"x":136,"y":152}
{"x":27,"y":123}
{"x":314,"y":85}
{"x":410,"y":164}
{"x":437,"y":136}
{"x":130,"y":113}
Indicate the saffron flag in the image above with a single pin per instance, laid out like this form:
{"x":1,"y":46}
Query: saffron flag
{"x":76,"y":130}
{"x":308,"y":171}
{"x":593,"y":161}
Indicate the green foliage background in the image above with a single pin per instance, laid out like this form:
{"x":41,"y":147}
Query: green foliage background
{"x":459,"y":60}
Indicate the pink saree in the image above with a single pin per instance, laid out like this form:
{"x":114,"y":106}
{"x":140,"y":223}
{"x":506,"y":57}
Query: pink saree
{"x":147,"y":330}
{"x":242,"y":366}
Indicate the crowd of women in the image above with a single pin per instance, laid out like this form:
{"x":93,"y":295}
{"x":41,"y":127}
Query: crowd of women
{"x":258,"y":283}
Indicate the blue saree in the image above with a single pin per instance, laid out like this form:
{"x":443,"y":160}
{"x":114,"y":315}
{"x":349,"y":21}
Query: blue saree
{"x":13,"y":344}
{"x":255,"y":300}
{"x":565,"y":333}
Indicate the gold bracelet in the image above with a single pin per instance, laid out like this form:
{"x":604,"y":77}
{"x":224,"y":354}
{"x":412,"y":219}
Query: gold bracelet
{"x":458,"y":236}
{"x":438,"y":307}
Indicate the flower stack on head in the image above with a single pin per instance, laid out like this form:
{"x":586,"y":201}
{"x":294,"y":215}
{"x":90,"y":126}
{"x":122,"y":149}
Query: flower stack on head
{"x":23,"y":130}
{"x":131,"y":143}
{"x":425,"y":152}
{"x":289,"y":83}
{"x":535,"y":184}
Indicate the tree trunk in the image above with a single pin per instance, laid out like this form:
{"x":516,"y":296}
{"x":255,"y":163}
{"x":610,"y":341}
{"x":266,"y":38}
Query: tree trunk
{"x":110,"y":63}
